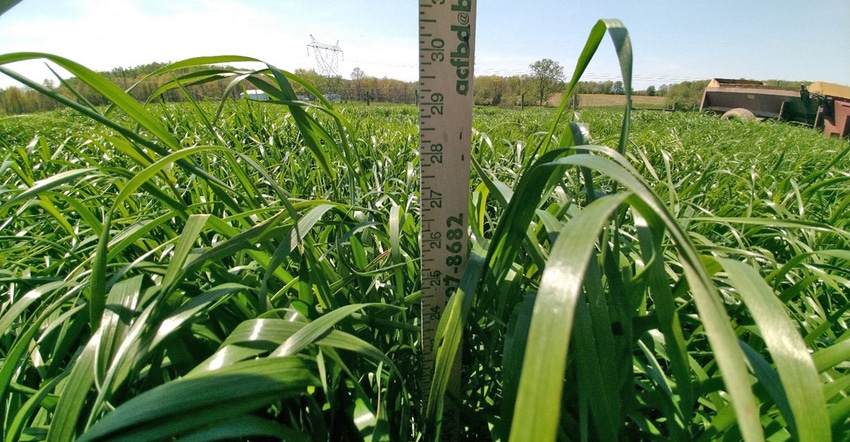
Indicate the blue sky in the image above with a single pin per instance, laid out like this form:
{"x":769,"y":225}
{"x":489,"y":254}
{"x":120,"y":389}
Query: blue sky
{"x":673,"y":40}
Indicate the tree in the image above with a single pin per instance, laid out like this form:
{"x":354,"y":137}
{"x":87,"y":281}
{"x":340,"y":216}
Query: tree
{"x":617,"y":88}
{"x":686,"y":95}
{"x":650,"y":90}
{"x":489,"y":90}
{"x":516,"y":89}
{"x":546,"y":74}
{"x":12,"y":101}
{"x":357,"y":76}
{"x":598,"y":88}
{"x":311,"y":76}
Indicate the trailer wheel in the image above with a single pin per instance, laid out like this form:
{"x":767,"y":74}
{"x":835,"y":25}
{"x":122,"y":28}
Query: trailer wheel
{"x":738,"y":113}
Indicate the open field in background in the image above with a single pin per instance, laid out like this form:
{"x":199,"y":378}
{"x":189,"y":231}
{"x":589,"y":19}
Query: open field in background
{"x":608,"y":100}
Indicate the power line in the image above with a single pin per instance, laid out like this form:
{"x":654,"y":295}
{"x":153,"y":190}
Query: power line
{"x":327,"y":56}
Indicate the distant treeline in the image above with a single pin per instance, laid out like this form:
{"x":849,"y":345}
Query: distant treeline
{"x":490,"y":90}
{"x":20,"y":100}
{"x":517,"y":90}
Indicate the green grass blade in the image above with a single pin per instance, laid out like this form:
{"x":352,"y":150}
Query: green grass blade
{"x":194,"y":225}
{"x":73,"y":396}
{"x":30,"y":407}
{"x":6,"y":5}
{"x":536,"y":413}
{"x":123,"y":300}
{"x":669,"y":323}
{"x":448,"y":337}
{"x":49,"y":183}
{"x":244,"y":426}
{"x":790,"y":354}
{"x":318,"y":328}
{"x":13,"y":313}
{"x":203,"y":399}
{"x":598,"y":388}
{"x":833,"y":355}
{"x":103,"y":86}
{"x":149,"y":172}
{"x":516,"y":339}
{"x":20,"y":347}
{"x":97,"y":284}
{"x":712,"y":313}
{"x":622,"y":44}
{"x":198,"y":306}
{"x":257,"y":336}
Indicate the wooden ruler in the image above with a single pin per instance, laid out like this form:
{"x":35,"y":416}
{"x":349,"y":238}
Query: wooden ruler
{"x":446,"y":48}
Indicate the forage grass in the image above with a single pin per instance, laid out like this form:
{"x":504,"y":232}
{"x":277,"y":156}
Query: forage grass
{"x":664,"y":277}
{"x":187,"y":234}
{"x":647,"y":295}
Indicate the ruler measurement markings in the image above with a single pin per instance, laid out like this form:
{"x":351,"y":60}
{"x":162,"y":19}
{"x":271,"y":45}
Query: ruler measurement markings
{"x":446,"y":42}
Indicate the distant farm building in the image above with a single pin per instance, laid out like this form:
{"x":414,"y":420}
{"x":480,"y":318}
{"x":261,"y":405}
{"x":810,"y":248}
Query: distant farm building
{"x":254,"y":94}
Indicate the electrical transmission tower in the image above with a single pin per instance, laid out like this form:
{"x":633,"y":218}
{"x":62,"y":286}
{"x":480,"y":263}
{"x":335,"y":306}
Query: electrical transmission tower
{"x":327,"y":58}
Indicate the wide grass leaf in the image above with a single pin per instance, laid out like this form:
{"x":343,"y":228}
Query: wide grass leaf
{"x":791,"y":357}
{"x":49,"y":183}
{"x":537,"y":409}
{"x":246,"y":425}
{"x":206,"y":398}
{"x":257,"y":336}
{"x":313,"y":331}
{"x":729,"y":356}
{"x":622,"y":44}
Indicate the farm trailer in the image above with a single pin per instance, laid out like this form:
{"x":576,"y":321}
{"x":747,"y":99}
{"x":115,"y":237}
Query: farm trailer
{"x":822,"y":104}
{"x":752,"y":99}
{"x":834,"y":111}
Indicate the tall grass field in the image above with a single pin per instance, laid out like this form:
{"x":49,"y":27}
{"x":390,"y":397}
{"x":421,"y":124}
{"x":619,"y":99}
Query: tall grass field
{"x":239,"y":270}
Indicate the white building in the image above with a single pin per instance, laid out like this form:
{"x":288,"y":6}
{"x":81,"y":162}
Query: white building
{"x":254,"y":94}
